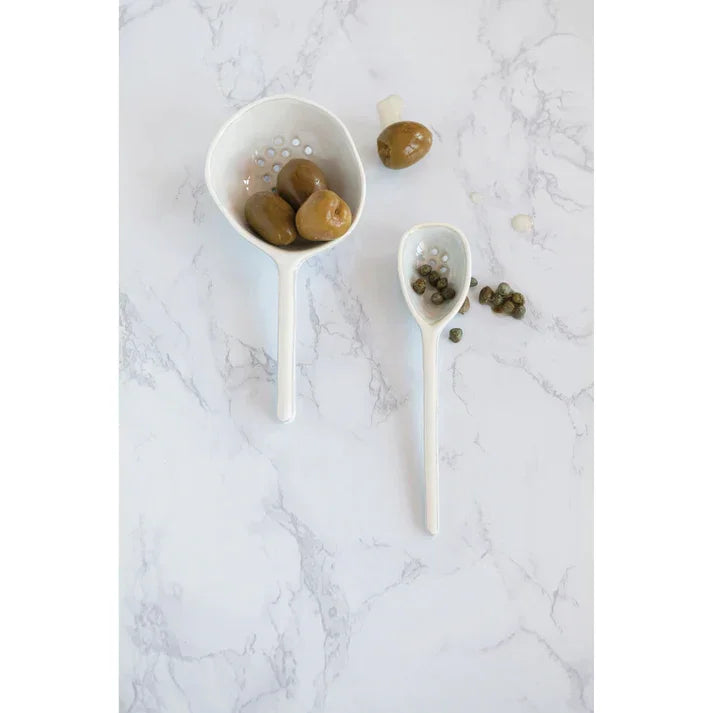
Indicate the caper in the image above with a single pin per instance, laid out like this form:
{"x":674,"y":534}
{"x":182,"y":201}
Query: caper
{"x":473,"y":282}
{"x":497,"y":309}
{"x":437,"y":298}
{"x":517,"y":298}
{"x":448,"y":293}
{"x":498,"y":300}
{"x":425,"y":270}
{"x":504,"y":289}
{"x":519,"y":311}
{"x":433,"y":278}
{"x":486,"y":296}
{"x":508,"y":307}
{"x":455,"y":334}
{"x":419,"y":286}
{"x":465,"y":306}
{"x":442,"y":283}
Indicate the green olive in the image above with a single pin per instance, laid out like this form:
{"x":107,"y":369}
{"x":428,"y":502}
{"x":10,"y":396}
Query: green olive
{"x":272,"y":218}
{"x":298,"y":180}
{"x":323,"y":216}
{"x":402,"y":144}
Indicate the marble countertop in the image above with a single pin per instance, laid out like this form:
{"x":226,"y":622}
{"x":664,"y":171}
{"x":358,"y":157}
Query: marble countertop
{"x":269,"y":567}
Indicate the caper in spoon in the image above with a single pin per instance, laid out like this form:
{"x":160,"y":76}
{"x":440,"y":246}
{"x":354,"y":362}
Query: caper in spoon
{"x":419,"y":286}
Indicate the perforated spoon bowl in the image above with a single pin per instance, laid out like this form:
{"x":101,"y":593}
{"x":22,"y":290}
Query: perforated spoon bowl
{"x":245,"y":156}
{"x":446,"y":249}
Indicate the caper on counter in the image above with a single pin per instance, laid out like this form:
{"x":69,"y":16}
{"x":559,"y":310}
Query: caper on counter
{"x":455,"y":334}
{"x":503,"y":300}
{"x":486,"y":296}
{"x":465,"y":306}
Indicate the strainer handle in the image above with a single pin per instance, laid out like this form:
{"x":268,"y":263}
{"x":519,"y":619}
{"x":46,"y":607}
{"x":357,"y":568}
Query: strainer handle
{"x":286,"y":343}
{"x":430,"y":427}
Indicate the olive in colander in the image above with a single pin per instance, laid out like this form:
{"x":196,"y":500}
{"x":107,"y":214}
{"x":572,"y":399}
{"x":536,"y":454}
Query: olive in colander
{"x":298,"y":179}
{"x":272,"y":218}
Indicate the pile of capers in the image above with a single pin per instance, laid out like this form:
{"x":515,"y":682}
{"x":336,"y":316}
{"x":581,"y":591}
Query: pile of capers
{"x":428,"y":275}
{"x":443,"y":293}
{"x":502,"y":300}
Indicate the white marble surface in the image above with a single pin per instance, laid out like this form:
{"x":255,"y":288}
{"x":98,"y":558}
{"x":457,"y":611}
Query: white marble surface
{"x":269,"y":567}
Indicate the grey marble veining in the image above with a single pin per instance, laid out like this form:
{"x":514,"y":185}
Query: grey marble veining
{"x":269,"y":567}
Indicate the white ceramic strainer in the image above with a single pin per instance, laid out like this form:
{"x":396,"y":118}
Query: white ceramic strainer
{"x":446,"y":250}
{"x":245,"y":157}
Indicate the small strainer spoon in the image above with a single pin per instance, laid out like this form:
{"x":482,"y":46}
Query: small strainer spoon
{"x":446,"y":249}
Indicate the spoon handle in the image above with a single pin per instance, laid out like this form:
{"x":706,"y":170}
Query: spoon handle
{"x":286,"y":343}
{"x":430,"y":427}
